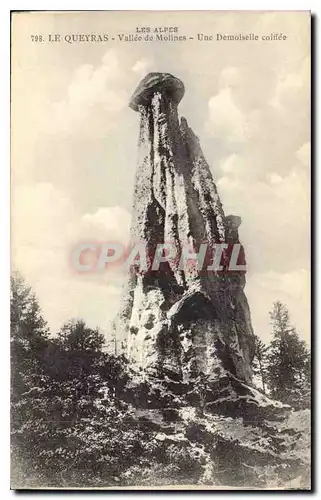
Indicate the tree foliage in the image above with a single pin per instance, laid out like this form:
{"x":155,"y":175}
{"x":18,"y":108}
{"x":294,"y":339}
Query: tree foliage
{"x":28,"y":335}
{"x":288,"y":370}
{"x":80,"y":419}
{"x":69,"y":426}
{"x":259,"y":365}
{"x":76,"y":336}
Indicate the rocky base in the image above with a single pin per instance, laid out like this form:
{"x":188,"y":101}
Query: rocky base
{"x":225,"y":395}
{"x":214,"y":451}
{"x":220,"y":435}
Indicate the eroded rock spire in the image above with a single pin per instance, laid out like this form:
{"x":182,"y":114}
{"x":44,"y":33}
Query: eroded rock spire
{"x":181,"y":324}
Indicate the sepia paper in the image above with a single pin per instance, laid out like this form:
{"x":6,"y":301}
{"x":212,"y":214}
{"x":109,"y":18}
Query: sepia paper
{"x":160,"y":291}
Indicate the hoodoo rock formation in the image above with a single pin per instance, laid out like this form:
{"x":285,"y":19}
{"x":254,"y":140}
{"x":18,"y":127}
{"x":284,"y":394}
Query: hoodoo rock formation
{"x":189,"y":334}
{"x":182,"y":325}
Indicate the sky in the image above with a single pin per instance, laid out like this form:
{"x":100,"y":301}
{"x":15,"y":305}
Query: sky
{"x":74,"y":148}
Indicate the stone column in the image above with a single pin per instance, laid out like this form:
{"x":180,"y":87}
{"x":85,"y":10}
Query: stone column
{"x":179,"y":322}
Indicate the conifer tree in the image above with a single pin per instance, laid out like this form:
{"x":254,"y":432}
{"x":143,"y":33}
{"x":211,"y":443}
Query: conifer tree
{"x":289,"y":360}
{"x":29,"y":335}
{"x":259,"y":364}
{"x":75,"y":335}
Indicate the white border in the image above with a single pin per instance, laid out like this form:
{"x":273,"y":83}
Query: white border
{"x":163,"y":5}
{"x":5,"y":8}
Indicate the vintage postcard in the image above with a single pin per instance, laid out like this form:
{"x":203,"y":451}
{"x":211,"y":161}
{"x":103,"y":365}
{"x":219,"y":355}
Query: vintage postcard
{"x":160,"y":288}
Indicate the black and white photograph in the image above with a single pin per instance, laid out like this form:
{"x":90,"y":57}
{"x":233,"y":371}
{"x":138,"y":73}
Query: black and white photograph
{"x":160,"y":302}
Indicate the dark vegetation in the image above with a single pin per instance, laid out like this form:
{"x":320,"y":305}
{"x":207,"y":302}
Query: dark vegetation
{"x":77,"y":421}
